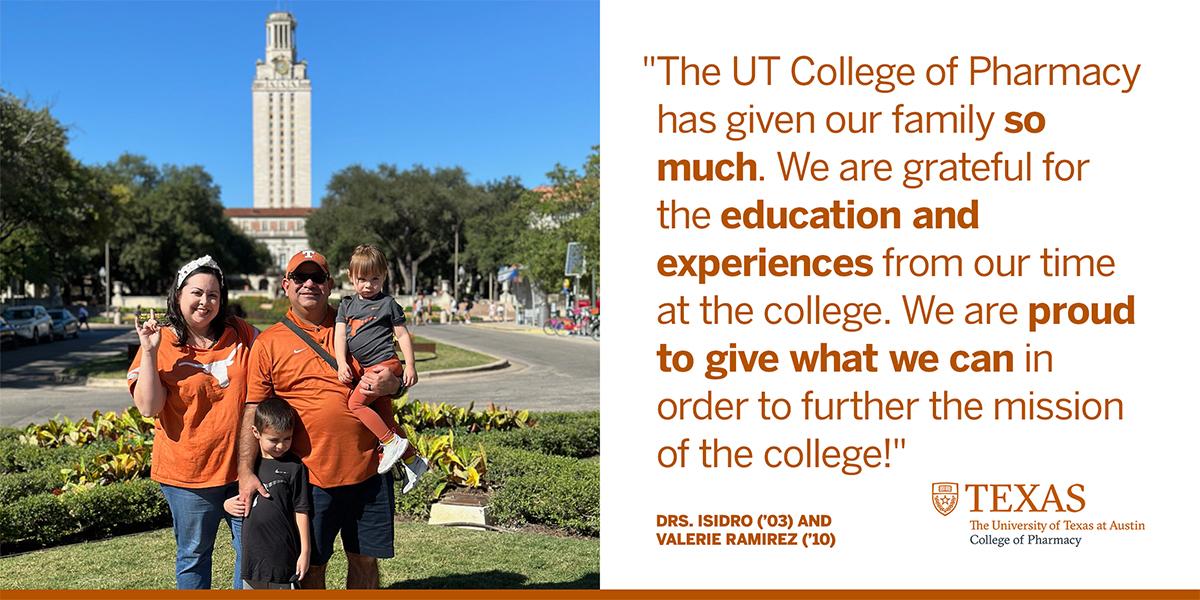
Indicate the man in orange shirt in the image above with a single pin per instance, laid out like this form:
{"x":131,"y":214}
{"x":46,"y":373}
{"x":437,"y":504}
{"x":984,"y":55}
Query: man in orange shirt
{"x":349,"y":497}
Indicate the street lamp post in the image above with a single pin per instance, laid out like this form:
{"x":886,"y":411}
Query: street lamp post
{"x":107,"y":280}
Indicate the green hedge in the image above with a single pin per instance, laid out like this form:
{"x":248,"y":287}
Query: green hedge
{"x":570,"y":435}
{"x":576,"y":435}
{"x":557,"y":439}
{"x":577,"y":419}
{"x":14,"y":486}
{"x":45,"y":519}
{"x":32,"y":517}
{"x":534,"y":473}
{"x":16,"y":457}
{"x":415,"y":504}
{"x":547,"y":490}
{"x":9,"y":433}
{"x":251,"y":305}
{"x":529,"y":488}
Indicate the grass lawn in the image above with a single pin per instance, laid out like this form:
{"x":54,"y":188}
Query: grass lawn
{"x":447,"y":357}
{"x":427,"y":556}
{"x":114,"y":366}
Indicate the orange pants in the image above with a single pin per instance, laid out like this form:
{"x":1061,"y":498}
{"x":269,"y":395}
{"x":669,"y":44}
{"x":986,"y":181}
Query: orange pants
{"x":360,"y":405}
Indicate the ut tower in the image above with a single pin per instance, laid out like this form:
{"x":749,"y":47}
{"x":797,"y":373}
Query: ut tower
{"x":282,"y":96}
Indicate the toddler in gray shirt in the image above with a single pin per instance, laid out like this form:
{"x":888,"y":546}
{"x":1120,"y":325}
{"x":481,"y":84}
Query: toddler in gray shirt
{"x":366,"y":324}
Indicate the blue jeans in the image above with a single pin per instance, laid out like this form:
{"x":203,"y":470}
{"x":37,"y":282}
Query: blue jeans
{"x":196,"y":513}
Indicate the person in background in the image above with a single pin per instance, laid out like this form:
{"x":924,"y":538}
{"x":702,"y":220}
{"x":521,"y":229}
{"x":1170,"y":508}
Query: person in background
{"x":419,"y":304}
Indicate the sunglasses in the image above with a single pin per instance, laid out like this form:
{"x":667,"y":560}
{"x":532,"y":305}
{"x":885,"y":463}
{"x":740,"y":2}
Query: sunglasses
{"x":317,"y":277}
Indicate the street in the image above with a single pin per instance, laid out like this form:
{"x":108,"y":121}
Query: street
{"x":547,"y":373}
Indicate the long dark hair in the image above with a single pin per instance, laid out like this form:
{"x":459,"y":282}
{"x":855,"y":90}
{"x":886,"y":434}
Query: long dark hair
{"x":175,"y":318}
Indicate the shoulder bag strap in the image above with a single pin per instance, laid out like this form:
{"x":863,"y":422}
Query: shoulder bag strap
{"x":311,"y":343}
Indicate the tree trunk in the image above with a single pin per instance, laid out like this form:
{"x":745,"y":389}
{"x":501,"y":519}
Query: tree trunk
{"x":405,"y":276}
{"x":416,"y":269}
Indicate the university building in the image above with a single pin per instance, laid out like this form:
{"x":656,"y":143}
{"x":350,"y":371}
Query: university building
{"x":282,"y":114}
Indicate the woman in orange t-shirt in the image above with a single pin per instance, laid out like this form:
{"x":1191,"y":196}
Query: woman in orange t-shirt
{"x":190,"y":375}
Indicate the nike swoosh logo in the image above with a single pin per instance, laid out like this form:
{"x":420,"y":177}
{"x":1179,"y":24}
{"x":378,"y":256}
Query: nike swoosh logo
{"x":298,"y":351}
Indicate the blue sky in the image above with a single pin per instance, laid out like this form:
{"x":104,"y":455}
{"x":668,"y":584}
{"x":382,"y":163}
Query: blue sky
{"x":499,"y":88}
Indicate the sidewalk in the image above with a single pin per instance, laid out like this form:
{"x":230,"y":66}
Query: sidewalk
{"x":108,"y":325}
{"x":505,"y":326}
{"x":526,"y":329}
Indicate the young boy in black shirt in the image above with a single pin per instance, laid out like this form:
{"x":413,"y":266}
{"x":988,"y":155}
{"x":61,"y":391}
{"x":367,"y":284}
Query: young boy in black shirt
{"x":276,"y":538}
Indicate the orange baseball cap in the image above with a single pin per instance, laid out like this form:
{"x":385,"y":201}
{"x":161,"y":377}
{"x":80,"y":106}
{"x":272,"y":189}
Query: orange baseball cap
{"x":304,"y":256}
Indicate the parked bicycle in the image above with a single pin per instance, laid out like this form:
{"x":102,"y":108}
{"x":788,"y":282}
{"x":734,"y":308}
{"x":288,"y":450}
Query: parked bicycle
{"x":593,"y":328}
{"x":574,"y":323}
{"x":559,"y":326}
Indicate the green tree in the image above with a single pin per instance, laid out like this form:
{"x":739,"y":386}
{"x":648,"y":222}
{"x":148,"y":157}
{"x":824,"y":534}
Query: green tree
{"x":54,"y":209}
{"x":492,"y":230}
{"x":168,"y":216}
{"x":569,"y":211}
{"x":410,"y":215}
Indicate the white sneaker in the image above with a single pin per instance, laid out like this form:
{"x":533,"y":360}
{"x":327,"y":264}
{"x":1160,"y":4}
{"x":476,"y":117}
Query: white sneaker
{"x":393,"y":449}
{"x":412,"y":472}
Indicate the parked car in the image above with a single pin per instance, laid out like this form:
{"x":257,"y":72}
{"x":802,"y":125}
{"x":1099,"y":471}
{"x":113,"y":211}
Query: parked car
{"x":63,"y":323}
{"x":8,"y":335}
{"x":32,"y":323}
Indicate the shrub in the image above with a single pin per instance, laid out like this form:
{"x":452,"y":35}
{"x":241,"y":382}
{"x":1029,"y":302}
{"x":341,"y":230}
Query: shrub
{"x":9,"y":433}
{"x":576,"y":440}
{"x":17,"y":457}
{"x":14,"y":486}
{"x":62,"y":431}
{"x":569,"y":500}
{"x":415,"y":504}
{"x":548,"y":490}
{"x":570,"y":418}
{"x":451,"y":464}
{"x":255,"y":313}
{"x":422,"y":416}
{"x":33,"y":521}
{"x":112,"y":509}
{"x":533,"y":471}
{"x":130,"y":459}
{"x":45,"y":519}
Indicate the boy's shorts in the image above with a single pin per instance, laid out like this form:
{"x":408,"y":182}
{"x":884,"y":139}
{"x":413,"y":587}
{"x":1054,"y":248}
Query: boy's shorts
{"x":363,"y":513}
{"x":266,"y":585}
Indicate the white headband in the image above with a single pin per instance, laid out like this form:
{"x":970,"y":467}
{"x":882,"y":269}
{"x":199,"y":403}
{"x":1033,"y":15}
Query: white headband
{"x":188,"y":269}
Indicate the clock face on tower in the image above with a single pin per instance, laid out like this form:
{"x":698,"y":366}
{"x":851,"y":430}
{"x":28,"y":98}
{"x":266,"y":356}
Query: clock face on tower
{"x":281,"y":66}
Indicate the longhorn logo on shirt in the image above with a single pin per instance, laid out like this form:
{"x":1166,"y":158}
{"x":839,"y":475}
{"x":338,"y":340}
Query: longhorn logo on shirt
{"x":218,"y":369}
{"x":357,"y":324}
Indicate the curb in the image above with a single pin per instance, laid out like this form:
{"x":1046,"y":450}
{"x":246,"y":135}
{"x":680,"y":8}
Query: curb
{"x":106,"y":383}
{"x":64,"y":379}
{"x":98,"y":382}
{"x":492,"y":366}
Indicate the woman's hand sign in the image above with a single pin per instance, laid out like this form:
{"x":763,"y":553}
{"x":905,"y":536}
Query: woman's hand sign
{"x":149,"y":332}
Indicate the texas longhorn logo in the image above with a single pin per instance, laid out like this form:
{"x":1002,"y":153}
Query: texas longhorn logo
{"x":945,"y":497}
{"x":219,"y":369}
